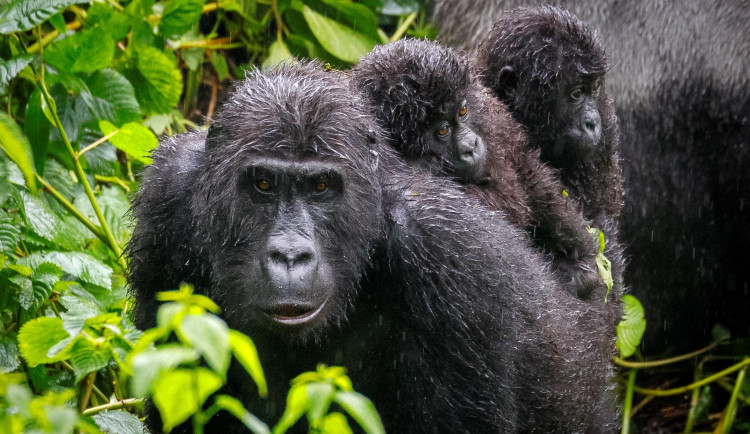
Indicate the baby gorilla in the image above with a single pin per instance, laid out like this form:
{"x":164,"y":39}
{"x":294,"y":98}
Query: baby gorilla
{"x":436,"y":114}
{"x":549,"y":67}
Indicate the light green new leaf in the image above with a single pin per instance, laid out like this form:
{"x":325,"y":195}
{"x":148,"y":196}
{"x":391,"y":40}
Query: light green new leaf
{"x":22,"y":15}
{"x":9,"y":68}
{"x":220,"y":65}
{"x":336,"y":423}
{"x":37,"y":337}
{"x":338,"y":39}
{"x":605,"y":271}
{"x":631,"y":328}
{"x":133,"y":139}
{"x":85,"y":51}
{"x":14,"y":143}
{"x":245,"y":352}
{"x":179,"y":16}
{"x":179,"y":393}
{"x":148,"y":365}
{"x":278,"y":52}
{"x":296,"y":405}
{"x":78,"y":264}
{"x":210,"y":336}
{"x":87,"y":356}
{"x":118,"y":422}
{"x":234,"y":406}
{"x":362,"y":410}
{"x":104,"y":16}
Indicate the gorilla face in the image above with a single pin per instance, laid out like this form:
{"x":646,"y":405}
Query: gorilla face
{"x":580,"y":124}
{"x":293,"y":205}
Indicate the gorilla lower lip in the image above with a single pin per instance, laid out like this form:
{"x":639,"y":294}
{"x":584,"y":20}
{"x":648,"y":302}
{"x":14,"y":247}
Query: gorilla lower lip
{"x":291,"y":314}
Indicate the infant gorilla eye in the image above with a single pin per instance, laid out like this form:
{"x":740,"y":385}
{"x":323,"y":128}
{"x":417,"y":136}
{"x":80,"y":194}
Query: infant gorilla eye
{"x":576,"y":94}
{"x":263,"y":185}
{"x":321,"y":186}
{"x":463,"y":111}
{"x":443,"y":131}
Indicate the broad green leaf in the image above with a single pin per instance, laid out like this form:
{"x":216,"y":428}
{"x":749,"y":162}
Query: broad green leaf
{"x":336,"y":423}
{"x":210,"y":336}
{"x":319,"y":396}
{"x":58,"y":22}
{"x":179,"y":16}
{"x":179,"y":394}
{"x":24,"y":290}
{"x":133,"y":139}
{"x":720,"y":333}
{"x":10,"y":234}
{"x":113,"y":97}
{"x":73,"y":322}
{"x":101,"y":15}
{"x":14,"y":143}
{"x":22,"y":15}
{"x":8,"y":354}
{"x":148,"y":365}
{"x":84,"y":51}
{"x":40,"y":218}
{"x":81,"y":265}
{"x":277,"y":53}
{"x":234,"y":407}
{"x":43,"y":279}
{"x":362,"y":410}
{"x":337,"y":39}
{"x":37,"y":127}
{"x":605,"y":271}
{"x":87,"y":356}
{"x":296,"y":405}
{"x":38,"y":336}
{"x":118,"y":422}
{"x":220,"y":65}
{"x":9,"y":68}
{"x":399,"y":7}
{"x":631,"y":328}
{"x":157,"y":81}
{"x":356,"y":15}
{"x":245,"y":352}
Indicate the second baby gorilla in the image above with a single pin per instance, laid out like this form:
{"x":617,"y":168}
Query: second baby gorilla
{"x":436,"y":114}
{"x":323,"y":246}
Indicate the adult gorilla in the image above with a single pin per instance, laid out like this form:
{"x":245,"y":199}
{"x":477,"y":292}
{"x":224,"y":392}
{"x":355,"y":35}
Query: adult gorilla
{"x":319,"y":243}
{"x":680,"y":82}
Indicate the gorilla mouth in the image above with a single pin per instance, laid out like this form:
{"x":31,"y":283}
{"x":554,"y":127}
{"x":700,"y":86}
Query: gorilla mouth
{"x":294,"y":314}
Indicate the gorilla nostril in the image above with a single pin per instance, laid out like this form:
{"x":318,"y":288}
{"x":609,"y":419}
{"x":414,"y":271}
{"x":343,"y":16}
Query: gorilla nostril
{"x":277,"y":256}
{"x":302,"y":258}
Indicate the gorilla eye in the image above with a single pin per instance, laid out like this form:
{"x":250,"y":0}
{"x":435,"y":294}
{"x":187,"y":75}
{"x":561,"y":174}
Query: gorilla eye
{"x":596,"y":85}
{"x":321,"y":186}
{"x":576,"y":94}
{"x":443,"y":131}
{"x":263,"y":186}
{"x":463,"y":111}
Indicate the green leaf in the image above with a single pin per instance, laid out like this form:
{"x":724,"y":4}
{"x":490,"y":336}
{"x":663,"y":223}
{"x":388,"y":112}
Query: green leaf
{"x":319,"y":396}
{"x":22,"y":15}
{"x":10,"y":234}
{"x":296,"y":405}
{"x":87,"y":356}
{"x":336,"y":423}
{"x":180,"y":393}
{"x":631,"y":328}
{"x":220,"y":65}
{"x":43,"y":281}
{"x":362,"y":410}
{"x":37,"y":337}
{"x":118,"y":422}
{"x":39,"y":217}
{"x":235,"y":408}
{"x":210,"y":336}
{"x":179,"y":16}
{"x":113,"y":97}
{"x":10,"y":68}
{"x":148,"y":365}
{"x":356,"y":15}
{"x":84,"y":51}
{"x":399,"y":7}
{"x":605,"y":271}
{"x":133,"y":139}
{"x":599,"y":235}
{"x":157,"y":81}
{"x":37,"y":128}
{"x":278,"y":52}
{"x":8,"y":354}
{"x":17,"y":147}
{"x":81,"y":265}
{"x":245,"y":352}
{"x":101,"y":15}
{"x":58,"y":22}
{"x":337,"y":39}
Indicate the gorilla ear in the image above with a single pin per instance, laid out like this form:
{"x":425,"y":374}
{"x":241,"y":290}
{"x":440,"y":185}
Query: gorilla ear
{"x":507,"y":81}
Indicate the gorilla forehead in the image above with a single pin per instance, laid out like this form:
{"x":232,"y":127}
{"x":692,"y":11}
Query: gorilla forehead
{"x":297,"y":111}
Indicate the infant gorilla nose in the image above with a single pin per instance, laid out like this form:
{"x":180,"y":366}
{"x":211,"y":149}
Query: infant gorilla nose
{"x":293,"y":313}
{"x":472,"y":158}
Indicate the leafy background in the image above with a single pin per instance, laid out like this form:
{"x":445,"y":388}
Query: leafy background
{"x":86,"y":87}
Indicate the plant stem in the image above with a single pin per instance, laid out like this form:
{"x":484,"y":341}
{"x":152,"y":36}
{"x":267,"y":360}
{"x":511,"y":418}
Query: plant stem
{"x":399,"y":33}
{"x":731,"y":412}
{"x":654,"y":363}
{"x":71,"y":208}
{"x":689,"y":387}
{"x":112,"y":180}
{"x":97,"y":143}
{"x":694,"y":397}
{"x":628,"y":405}
{"x":49,"y":37}
{"x":111,"y":406}
{"x":279,"y":21}
{"x":84,"y":181}
{"x":86,"y":384}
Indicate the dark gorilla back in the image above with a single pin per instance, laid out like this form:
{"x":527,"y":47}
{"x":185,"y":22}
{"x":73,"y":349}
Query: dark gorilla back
{"x":322,"y":245}
{"x":680,"y":81}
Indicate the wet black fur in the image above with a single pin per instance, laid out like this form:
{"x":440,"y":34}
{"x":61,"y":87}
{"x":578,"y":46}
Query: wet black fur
{"x":449,"y":320}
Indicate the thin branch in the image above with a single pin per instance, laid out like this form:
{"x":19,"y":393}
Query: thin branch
{"x":112,"y":406}
{"x":401,"y":31}
{"x":71,"y":208}
{"x":689,"y":387}
{"x":97,"y":143}
{"x":654,"y":363}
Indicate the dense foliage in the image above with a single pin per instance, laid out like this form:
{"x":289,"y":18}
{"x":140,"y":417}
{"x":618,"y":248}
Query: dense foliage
{"x":85,"y":89}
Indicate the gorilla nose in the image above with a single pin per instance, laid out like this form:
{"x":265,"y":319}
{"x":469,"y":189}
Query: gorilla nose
{"x":592,"y":124}
{"x":291,"y":258}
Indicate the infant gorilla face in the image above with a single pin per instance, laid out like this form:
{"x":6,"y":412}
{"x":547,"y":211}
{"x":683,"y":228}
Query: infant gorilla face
{"x":451,"y":145}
